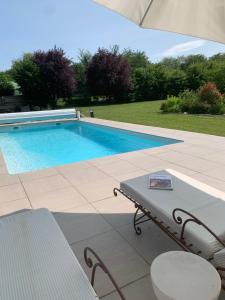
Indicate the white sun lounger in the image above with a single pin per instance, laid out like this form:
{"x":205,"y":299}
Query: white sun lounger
{"x":37,"y":262}
{"x":192,"y":214}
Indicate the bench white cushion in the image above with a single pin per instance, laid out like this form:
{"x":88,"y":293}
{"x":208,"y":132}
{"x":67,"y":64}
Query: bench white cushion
{"x":204,"y":202}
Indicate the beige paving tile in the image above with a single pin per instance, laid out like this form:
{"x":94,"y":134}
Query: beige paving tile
{"x":59,"y":200}
{"x":218,"y":173}
{"x":41,"y":186}
{"x":37,"y":174}
{"x":181,"y":169}
{"x":3,"y":170}
{"x":151,"y":243}
{"x":121,"y":259}
{"x":11,"y":192}
{"x":172,"y":156}
{"x":132,"y":155}
{"x":146,"y":162}
{"x":118,"y":168}
{"x":14,"y":206}
{"x":222,"y":295}
{"x":73,"y":167}
{"x":157,"y":150}
{"x":81,"y":223}
{"x":122,"y":177}
{"x":141,"y":290}
{"x":218,"y":184}
{"x":138,"y":290}
{"x":87,"y":175}
{"x":148,"y":170}
{"x":104,"y":160}
{"x":97,"y":190}
{"x":218,"y":157}
{"x":6,"y":179}
{"x":197,"y":164}
{"x":117,"y":211}
{"x":2,"y":161}
{"x":195,"y":150}
{"x":176,"y":146}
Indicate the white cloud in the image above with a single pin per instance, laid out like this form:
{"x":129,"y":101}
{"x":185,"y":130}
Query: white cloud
{"x":183,"y":47}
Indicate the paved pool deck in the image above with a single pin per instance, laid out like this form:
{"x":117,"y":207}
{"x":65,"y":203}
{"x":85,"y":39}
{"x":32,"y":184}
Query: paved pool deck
{"x":80,"y":197}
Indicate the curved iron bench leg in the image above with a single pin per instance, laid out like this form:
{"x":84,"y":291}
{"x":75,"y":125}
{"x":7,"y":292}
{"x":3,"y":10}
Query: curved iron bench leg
{"x":137,"y":220}
{"x":99,"y":264}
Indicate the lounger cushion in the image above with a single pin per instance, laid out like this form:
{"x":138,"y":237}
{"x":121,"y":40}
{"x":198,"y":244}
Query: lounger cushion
{"x":219,"y":258}
{"x":204,"y":202}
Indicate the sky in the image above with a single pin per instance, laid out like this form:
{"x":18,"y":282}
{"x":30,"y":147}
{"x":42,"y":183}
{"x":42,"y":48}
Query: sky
{"x":29,"y":25}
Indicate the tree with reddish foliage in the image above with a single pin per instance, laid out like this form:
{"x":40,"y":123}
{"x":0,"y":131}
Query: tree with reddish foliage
{"x":56,"y":74}
{"x":109,"y":75}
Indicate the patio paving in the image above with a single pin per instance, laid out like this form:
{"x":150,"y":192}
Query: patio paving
{"x":81,"y":199}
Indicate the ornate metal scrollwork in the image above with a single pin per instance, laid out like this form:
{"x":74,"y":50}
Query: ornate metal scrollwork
{"x":143,"y":218}
{"x":99,"y":264}
{"x":192,"y":218}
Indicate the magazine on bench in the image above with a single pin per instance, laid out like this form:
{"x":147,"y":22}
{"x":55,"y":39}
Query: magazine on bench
{"x":160,"y":182}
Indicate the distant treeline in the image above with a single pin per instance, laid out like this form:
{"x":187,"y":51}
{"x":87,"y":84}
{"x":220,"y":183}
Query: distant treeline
{"x":108,"y":75}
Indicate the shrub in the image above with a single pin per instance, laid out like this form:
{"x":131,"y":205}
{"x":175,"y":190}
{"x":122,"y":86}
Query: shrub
{"x":189,"y":102}
{"x":209,"y":94}
{"x":211,"y":99}
{"x":218,"y":109}
{"x":207,"y":100}
{"x":171,"y":105}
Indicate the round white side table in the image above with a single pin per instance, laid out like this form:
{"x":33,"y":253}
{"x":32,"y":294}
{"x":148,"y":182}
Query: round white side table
{"x":179,"y":275}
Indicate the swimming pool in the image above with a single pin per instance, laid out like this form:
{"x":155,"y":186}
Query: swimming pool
{"x":34,"y":147}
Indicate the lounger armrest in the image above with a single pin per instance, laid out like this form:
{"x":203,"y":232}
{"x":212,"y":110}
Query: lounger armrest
{"x":191,"y":218}
{"x":99,"y":264}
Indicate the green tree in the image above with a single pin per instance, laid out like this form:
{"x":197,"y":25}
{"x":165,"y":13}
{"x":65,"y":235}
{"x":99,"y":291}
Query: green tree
{"x":151,"y":82}
{"x":26,"y":73}
{"x":218,"y":57}
{"x":80,"y":69}
{"x":6,"y":85}
{"x":216,"y":74}
{"x":176,"y":81}
{"x":193,"y":59}
{"x":171,"y":62}
{"x":197,"y":75}
{"x":136,"y":59}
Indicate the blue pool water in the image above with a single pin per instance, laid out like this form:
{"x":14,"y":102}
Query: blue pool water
{"x":34,"y":147}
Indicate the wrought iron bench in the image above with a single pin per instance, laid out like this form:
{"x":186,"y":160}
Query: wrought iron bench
{"x":192,"y":214}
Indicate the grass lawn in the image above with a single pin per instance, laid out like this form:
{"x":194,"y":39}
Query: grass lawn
{"x":148,"y":113}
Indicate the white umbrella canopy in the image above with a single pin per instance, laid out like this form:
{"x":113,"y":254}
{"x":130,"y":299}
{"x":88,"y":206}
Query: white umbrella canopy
{"x":199,"y":18}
